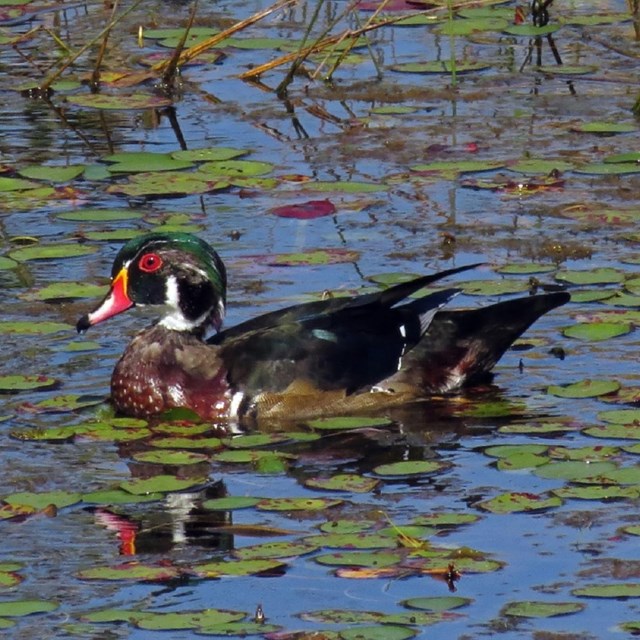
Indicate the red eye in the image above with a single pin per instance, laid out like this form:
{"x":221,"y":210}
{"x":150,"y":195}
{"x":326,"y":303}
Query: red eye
{"x":150,"y":262}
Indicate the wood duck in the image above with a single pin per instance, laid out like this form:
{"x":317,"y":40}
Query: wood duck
{"x":331,"y":357}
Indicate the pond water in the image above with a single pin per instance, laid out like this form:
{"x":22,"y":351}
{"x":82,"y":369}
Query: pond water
{"x":528,"y":495}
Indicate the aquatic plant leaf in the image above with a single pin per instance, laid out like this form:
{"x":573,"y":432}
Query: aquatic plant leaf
{"x":16,"y":383}
{"x":144,"y":161}
{"x":358,"y":540}
{"x":10,"y":511}
{"x":9,"y":579}
{"x":567,"y":69}
{"x":348,"y":422}
{"x":343,"y":482}
{"x":596,"y":331}
{"x":346,"y":526}
{"x":632,"y":530}
{"x":574,"y":470}
{"x":167,"y":621}
{"x":235,"y":168}
{"x":17,"y":184}
{"x":589,"y":454}
{"x":100,"y":215}
{"x":168,"y":183}
{"x":131,"y":571}
{"x":615,"y":431}
{"x":516,"y":502}
{"x":178,"y":442}
{"x":275,"y":550}
{"x":65,"y":291}
{"x":632,"y":156}
{"x":615,"y":590}
{"x":230,"y":503}
{"x":494,"y":287}
{"x":467,"y":27}
{"x":584,"y":389}
{"x":166,"y":456}
{"x":602,"y":275}
{"x":440,"y":66}
{"x":52,"y":173}
{"x":377,"y":559}
{"x":119,"y":102}
{"x":621,"y":416}
{"x":536,"y":609}
{"x":297,"y":504}
{"x":447,"y":167}
{"x":410,"y":468}
{"x":308,"y":258}
{"x":240,"y":629}
{"x":592,"y":19}
{"x":605,"y":127}
{"x":7,"y":263}
{"x":220,"y":568}
{"x":305,"y":210}
{"x":160,"y":484}
{"x":444,"y":519}
{"x":249,"y":441}
{"x":525,"y":268}
{"x":345,"y":187}
{"x":4,"y":623}
{"x":531,"y":31}
{"x":209,"y":154}
{"x":51,"y":252}
{"x":436,"y":603}
{"x":118,"y":496}
{"x":509,"y":450}
{"x":597,"y":492}
{"x":612,"y":169}
{"x":19,"y":608}
{"x":40,"y":501}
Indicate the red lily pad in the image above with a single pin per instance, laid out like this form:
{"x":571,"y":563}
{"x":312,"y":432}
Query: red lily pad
{"x":305,"y":210}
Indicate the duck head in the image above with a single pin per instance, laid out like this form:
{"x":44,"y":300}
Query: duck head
{"x":178,"y":273}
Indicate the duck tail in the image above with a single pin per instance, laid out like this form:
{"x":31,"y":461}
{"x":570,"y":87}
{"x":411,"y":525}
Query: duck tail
{"x":461,"y":346}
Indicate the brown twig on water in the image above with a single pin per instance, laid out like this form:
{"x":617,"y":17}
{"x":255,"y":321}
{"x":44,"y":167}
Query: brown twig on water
{"x":171,"y":70}
{"x":94,"y":83}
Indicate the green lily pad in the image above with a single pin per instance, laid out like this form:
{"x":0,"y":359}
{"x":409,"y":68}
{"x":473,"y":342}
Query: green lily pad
{"x":347,"y":526}
{"x":345,"y":187}
{"x":19,"y":608}
{"x":160,"y":484}
{"x":309,"y":258}
{"x":100,"y":215}
{"x":128,"y":571}
{"x":621,"y":416}
{"x":436,"y":603}
{"x":235,"y":168}
{"x":181,"y":442}
{"x":525,"y":268}
{"x":446,"y":519}
{"x":605,"y":127}
{"x":348,"y":422}
{"x":376,"y":559}
{"x":358,"y":540}
{"x":596,"y":331}
{"x":144,"y":161}
{"x":343,"y":482}
{"x":33,"y":328}
{"x":616,"y":590}
{"x":118,"y":496}
{"x":40,"y":501}
{"x":574,"y":470}
{"x":209,"y":154}
{"x":16,"y":383}
{"x":584,"y":389}
{"x":494,"y":287}
{"x":615,"y":431}
{"x":514,"y":502}
{"x":119,"y":102}
{"x":447,"y":167}
{"x":536,"y":609}
{"x":275,"y":550}
{"x":531,"y":31}
{"x":604,"y":168}
{"x":168,"y":183}
{"x":378,"y":632}
{"x":16,"y":184}
{"x":52,"y":173}
{"x":66,"y":291}
{"x":255,"y":440}
{"x":589,"y":454}
{"x":230,"y":503}
{"x":297,"y":504}
{"x":597,"y":492}
{"x":220,"y":568}
{"x":467,"y":27}
{"x":7,"y":263}
{"x":170,"y":457}
{"x":440,"y":66}
{"x":633,"y":156}
{"x":9,"y":579}
{"x":51,"y":252}
{"x":409,"y":468}
{"x":602,"y":275}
